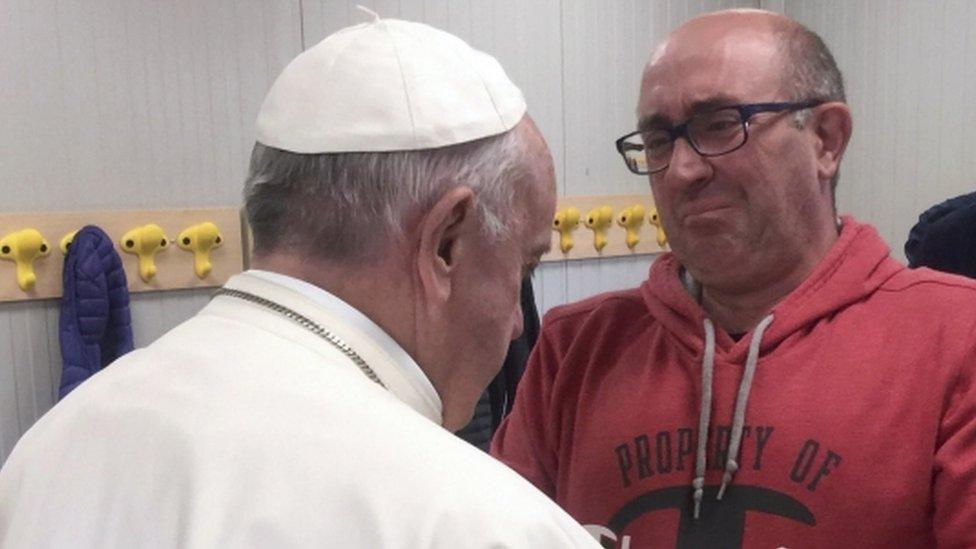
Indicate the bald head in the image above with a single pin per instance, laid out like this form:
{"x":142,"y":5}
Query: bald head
{"x":808,"y":70}
{"x":803,"y":66}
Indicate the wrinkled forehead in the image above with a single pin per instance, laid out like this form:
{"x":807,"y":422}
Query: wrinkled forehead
{"x":704,"y":65}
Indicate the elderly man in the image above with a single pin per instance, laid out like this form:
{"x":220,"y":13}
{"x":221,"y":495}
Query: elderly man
{"x":779,"y":380}
{"x":397,"y":196}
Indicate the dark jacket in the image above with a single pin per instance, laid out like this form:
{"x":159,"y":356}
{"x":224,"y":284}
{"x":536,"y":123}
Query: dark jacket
{"x":95,"y":326}
{"x":944,"y":238}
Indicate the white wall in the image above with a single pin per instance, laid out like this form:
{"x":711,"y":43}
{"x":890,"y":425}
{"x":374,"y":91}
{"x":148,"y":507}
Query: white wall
{"x":911,"y":84}
{"x":115,"y":104}
{"x":150,"y":103}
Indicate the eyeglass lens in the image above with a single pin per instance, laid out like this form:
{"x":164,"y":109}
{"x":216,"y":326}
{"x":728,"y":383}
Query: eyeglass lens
{"x":711,"y":133}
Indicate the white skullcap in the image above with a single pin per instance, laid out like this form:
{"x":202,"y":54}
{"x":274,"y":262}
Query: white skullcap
{"x":388,"y":85}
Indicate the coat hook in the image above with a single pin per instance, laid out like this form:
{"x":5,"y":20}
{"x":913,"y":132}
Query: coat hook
{"x":599,"y":220}
{"x":145,"y":242}
{"x":67,"y":240}
{"x":631,"y":220}
{"x":565,"y":222}
{"x":23,"y":247}
{"x":200,"y":239}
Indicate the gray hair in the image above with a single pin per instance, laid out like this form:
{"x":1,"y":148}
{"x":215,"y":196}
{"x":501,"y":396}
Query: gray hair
{"x":810,"y":72}
{"x":349,"y":207}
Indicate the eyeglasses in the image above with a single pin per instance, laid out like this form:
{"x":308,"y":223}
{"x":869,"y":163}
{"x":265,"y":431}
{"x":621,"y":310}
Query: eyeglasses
{"x":712,"y":133}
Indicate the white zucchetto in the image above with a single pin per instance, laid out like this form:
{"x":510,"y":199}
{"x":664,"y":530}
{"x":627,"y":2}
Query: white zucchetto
{"x":388,"y":85}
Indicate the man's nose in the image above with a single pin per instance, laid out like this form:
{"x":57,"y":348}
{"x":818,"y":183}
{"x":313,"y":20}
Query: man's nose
{"x":687,"y":166}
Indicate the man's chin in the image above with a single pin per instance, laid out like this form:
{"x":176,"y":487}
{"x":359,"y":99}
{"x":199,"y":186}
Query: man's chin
{"x":710,"y":254}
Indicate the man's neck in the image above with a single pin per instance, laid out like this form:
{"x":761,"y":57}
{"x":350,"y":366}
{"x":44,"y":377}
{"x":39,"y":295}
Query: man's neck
{"x":740,"y":313}
{"x":739,"y":310}
{"x":382,"y":293}
{"x":366,"y":287}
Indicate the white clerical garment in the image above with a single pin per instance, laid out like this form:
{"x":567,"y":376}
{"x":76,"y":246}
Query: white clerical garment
{"x":240,"y":428}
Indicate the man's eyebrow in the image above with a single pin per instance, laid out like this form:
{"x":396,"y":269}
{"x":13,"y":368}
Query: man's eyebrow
{"x":658,"y":120}
{"x":711,"y":104}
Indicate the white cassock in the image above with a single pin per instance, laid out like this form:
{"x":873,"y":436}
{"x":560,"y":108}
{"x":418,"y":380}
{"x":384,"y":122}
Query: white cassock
{"x":240,"y":428}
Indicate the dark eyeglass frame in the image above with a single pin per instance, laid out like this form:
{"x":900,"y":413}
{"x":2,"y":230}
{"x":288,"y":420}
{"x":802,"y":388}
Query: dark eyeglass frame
{"x":746,"y":111}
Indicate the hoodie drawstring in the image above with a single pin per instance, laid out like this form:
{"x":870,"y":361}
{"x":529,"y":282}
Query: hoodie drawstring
{"x":705,"y":415}
{"x":739,"y":416}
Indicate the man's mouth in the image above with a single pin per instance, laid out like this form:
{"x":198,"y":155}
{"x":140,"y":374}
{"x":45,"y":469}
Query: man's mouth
{"x":703,"y":210}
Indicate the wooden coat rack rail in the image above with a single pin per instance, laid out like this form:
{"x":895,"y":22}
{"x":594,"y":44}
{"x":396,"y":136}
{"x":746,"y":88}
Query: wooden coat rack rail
{"x":585,"y":227}
{"x":644,"y":235}
{"x":174,"y":267}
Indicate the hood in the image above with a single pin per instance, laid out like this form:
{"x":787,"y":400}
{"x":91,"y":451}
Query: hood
{"x":855,"y":267}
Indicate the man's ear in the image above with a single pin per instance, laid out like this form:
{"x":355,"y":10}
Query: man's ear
{"x":440,"y":231}
{"x":832,"y":126}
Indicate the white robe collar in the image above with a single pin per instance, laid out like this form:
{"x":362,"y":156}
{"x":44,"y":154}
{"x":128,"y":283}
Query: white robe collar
{"x":398,"y":370}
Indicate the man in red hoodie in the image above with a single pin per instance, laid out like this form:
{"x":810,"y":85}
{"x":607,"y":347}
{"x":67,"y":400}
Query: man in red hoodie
{"x":779,"y":379}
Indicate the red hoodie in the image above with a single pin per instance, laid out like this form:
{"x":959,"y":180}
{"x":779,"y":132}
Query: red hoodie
{"x":859,"y":428}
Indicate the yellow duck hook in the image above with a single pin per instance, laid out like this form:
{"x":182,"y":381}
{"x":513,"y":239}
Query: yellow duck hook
{"x":67,"y":240}
{"x":200,"y":239}
{"x":565,"y":222}
{"x":599,"y":220}
{"x":631,"y":220}
{"x":23,"y":247}
{"x":654,"y":219}
{"x":145,"y":242}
